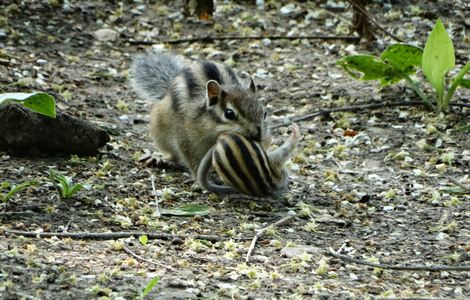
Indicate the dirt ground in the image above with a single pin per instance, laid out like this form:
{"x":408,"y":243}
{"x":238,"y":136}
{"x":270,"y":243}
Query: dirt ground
{"x":381,"y":185}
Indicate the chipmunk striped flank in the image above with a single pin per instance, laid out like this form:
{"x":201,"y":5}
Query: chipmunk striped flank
{"x":246,"y":167}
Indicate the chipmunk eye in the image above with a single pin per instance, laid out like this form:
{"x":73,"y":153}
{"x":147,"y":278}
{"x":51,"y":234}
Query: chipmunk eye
{"x":229,"y":114}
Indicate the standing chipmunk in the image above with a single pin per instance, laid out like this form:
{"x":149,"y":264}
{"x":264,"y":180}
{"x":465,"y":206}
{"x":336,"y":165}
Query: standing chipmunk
{"x":246,"y":167}
{"x":198,"y":100}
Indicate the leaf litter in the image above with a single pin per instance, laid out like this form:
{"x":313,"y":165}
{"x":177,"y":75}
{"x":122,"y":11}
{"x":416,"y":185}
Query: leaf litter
{"x":382,"y":185}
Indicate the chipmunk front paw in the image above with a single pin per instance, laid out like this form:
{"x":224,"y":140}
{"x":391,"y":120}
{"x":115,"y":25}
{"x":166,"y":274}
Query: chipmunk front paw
{"x":153,"y":160}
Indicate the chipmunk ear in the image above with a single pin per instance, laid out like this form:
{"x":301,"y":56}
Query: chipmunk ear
{"x":252,"y":85}
{"x":213,"y":91}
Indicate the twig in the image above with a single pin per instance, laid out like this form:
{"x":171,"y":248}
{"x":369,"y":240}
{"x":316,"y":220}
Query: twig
{"x":210,"y":39}
{"x":372,"y":106}
{"x":402,"y":268}
{"x":335,"y":15}
{"x":117,"y":235}
{"x":154,"y":191}
{"x":66,"y":227}
{"x":322,"y":112}
{"x":261,"y":231}
{"x":16,"y":213}
{"x":140,"y":258}
{"x":371,"y":19}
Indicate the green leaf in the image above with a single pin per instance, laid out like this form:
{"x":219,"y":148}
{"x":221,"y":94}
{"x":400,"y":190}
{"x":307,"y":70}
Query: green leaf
{"x":15,"y":189}
{"x":42,"y":103}
{"x":465,"y":83}
{"x":457,"y":82}
{"x":438,"y":59}
{"x":143,"y":239}
{"x":150,"y":286}
{"x":188,"y":210}
{"x":75,"y":188}
{"x":403,"y":57}
{"x":368,"y":67}
{"x":65,"y":184}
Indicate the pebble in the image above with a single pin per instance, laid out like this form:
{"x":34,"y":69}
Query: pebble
{"x":105,"y":35}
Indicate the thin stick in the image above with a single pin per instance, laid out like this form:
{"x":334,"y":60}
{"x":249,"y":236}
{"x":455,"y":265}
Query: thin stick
{"x":66,"y":228}
{"x":371,"y":19}
{"x":143,"y":259}
{"x":154,"y":191}
{"x":261,"y":231}
{"x":402,"y":268}
{"x":322,"y":112}
{"x":117,"y":235}
{"x":210,"y":39}
{"x":372,"y":106}
{"x":16,"y":213}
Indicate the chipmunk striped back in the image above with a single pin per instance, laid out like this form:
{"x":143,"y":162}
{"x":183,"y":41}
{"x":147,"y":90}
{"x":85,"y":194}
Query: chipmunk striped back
{"x":246,"y":167}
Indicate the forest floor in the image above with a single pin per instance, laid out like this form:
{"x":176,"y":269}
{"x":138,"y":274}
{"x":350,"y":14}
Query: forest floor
{"x":384,"y":185}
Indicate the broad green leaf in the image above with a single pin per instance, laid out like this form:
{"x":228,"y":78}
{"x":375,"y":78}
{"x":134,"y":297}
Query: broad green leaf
{"x":438,"y":58}
{"x":150,"y":286}
{"x":143,"y":239}
{"x":42,"y":103}
{"x":188,"y":210}
{"x":465,"y":83}
{"x":403,"y":57}
{"x":368,"y":67}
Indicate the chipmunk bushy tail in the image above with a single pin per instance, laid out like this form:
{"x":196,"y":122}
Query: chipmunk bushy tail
{"x":152,"y":73}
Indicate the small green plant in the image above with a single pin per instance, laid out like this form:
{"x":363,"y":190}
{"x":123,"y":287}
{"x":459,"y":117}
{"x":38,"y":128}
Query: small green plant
{"x":400,"y":61}
{"x":13,"y":189}
{"x":42,"y":103}
{"x":65,"y":185}
{"x":149,"y":287}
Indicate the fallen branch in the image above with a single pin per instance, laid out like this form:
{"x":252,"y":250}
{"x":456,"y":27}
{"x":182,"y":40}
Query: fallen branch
{"x":261,"y":231}
{"x":210,"y":39}
{"x":142,"y":259}
{"x":357,"y":108}
{"x":401,"y":268}
{"x":117,"y":235}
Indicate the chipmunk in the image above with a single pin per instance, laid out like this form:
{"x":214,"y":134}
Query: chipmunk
{"x":197,"y":101}
{"x":246,"y":167}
